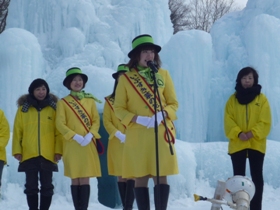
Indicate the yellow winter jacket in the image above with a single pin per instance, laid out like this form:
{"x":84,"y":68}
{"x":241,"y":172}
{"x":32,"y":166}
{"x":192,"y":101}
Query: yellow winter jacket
{"x":255,"y":117}
{"x":35,"y":134}
{"x":4,"y":136}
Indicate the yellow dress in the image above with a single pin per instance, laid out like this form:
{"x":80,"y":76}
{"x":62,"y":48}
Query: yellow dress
{"x":139,"y":156}
{"x":115,"y":148}
{"x":4,"y":136}
{"x":79,"y":161}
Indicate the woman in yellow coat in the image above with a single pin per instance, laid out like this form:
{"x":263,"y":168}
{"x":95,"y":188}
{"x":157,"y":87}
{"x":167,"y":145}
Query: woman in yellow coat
{"x":4,"y":138}
{"x":116,"y":132}
{"x":78,"y":121}
{"x":37,"y":144}
{"x":134,"y":107}
{"x":247,"y":123}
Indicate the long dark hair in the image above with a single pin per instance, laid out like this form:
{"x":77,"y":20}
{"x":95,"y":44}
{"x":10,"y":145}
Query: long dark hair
{"x":245,"y":71}
{"x":114,"y":90}
{"x":135,"y":57}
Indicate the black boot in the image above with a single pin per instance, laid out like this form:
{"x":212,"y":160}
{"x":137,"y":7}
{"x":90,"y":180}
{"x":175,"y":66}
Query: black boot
{"x":164,"y":194}
{"x":45,"y":202}
{"x":75,"y":191}
{"x":142,"y":198}
{"x":122,"y":190}
{"x":32,"y":201}
{"x":129,"y":194}
{"x":84,"y":196}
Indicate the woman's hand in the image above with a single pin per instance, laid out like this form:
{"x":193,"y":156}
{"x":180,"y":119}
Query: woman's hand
{"x":143,"y":120}
{"x":249,"y":135}
{"x":57,"y":157}
{"x":18,"y":157}
{"x":243,"y":137}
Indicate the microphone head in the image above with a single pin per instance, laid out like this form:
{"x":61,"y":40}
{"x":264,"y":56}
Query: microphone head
{"x":152,"y":66}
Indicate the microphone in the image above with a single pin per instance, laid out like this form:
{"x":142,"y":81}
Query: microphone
{"x":152,"y":66}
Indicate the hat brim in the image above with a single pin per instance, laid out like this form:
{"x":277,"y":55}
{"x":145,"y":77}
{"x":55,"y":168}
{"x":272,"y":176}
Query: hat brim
{"x":85,"y":79}
{"x":115,"y":75}
{"x":157,"y":48}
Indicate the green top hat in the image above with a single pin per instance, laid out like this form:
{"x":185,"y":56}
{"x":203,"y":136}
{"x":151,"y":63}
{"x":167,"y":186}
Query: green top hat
{"x":121,"y":69}
{"x":143,"y":40}
{"x":74,"y":71}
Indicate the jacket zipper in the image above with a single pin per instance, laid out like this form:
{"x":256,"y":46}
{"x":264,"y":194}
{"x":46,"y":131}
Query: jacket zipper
{"x":247,"y":117}
{"x":39,"y":139}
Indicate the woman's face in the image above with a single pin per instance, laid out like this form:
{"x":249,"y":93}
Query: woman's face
{"x":247,"y":81}
{"x":77,"y":83}
{"x":146,"y":55}
{"x":40,"y":93}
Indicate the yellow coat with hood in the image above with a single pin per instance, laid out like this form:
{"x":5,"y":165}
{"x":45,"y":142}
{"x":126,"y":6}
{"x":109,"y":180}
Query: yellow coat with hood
{"x":4,"y":136}
{"x":115,"y":148}
{"x":79,"y":161}
{"x":34,"y":132}
{"x":255,"y":117}
{"x":139,"y":149}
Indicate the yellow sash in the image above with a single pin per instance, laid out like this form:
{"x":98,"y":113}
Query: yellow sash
{"x":110,"y":101}
{"x":145,"y":91}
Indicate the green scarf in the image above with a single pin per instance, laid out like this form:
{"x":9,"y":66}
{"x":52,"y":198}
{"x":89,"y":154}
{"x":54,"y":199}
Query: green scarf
{"x":82,"y":94}
{"x":146,"y":73}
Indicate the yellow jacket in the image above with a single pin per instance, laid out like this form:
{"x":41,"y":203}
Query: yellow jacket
{"x":34,"y":132}
{"x":255,"y":117}
{"x":4,"y":136}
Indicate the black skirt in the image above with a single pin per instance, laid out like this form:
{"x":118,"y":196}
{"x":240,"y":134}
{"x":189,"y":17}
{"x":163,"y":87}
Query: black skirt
{"x":37,"y":164}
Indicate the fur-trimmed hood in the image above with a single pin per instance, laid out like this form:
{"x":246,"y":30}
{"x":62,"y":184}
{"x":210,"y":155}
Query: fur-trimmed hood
{"x":27,"y":100}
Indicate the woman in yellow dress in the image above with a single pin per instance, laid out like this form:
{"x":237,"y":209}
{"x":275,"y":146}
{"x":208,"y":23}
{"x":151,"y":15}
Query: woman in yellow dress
{"x":78,"y":121}
{"x":134,"y":107}
{"x":4,"y":138}
{"x":116,"y":132}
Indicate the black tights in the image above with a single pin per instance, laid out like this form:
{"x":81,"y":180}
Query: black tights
{"x":45,"y":178}
{"x":256,"y":159}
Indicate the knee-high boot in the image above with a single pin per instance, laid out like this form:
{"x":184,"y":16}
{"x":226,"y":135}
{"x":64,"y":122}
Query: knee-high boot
{"x":75,"y":191}
{"x":129,"y":194}
{"x":45,"y":202}
{"x":122,"y":190}
{"x":163,"y":190}
{"x":142,"y":198}
{"x":84,"y":196}
{"x":32,"y":201}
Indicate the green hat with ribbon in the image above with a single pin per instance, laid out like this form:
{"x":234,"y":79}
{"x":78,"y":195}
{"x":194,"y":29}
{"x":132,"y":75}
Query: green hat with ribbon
{"x":122,"y":68}
{"x":143,"y":40}
{"x":74,"y":71}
